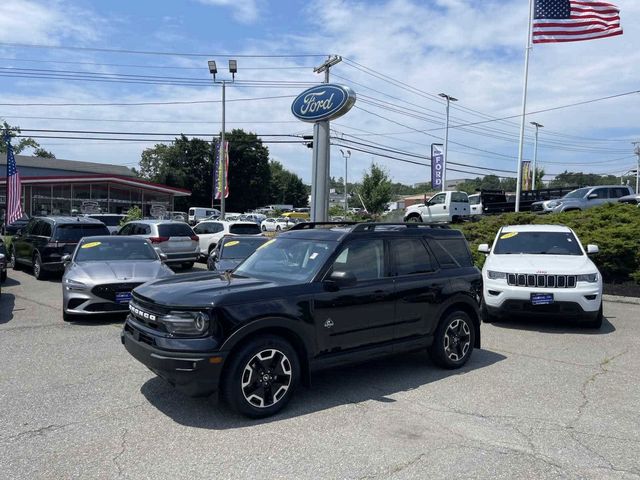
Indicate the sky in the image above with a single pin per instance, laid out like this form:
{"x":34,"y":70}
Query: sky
{"x":397,"y":55}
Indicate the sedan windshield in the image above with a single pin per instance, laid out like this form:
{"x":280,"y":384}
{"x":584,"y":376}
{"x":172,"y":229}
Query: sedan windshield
{"x":116,"y":249}
{"x":579,"y":193}
{"x":286,"y":259}
{"x":537,"y":243}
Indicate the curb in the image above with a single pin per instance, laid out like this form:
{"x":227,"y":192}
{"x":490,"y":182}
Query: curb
{"x":620,"y":299}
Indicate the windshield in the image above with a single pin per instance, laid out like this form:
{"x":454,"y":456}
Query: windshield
{"x":474,"y":199}
{"x":122,"y":249}
{"x":245,"y":229}
{"x":286,"y":259}
{"x":239,"y":249}
{"x":537,"y":243}
{"x":175,"y":230}
{"x":579,"y":193}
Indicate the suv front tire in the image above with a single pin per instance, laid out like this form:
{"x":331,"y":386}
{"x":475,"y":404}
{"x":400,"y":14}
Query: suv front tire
{"x":261,"y":377}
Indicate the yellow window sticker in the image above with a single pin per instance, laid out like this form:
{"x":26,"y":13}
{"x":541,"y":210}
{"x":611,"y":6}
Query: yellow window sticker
{"x":91,"y":244}
{"x":508,"y":235}
{"x":232,"y":243}
{"x":267,"y":243}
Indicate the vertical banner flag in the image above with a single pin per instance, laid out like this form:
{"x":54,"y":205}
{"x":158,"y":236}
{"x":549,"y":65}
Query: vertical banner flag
{"x":14,"y":186}
{"x":437,"y":159}
{"x":574,"y":20}
{"x":218,"y":173}
{"x":526,"y":175}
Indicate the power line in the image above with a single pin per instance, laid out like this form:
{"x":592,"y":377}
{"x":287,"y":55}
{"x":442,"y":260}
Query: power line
{"x":144,"y":140}
{"x":102,"y":132}
{"x":118,"y":120}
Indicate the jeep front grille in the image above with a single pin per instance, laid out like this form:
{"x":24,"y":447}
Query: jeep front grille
{"x":541,"y":281}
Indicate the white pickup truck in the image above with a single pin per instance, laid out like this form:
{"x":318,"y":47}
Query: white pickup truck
{"x":444,"y":207}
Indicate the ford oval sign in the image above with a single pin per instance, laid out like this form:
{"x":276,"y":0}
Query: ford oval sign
{"x":324,"y":102}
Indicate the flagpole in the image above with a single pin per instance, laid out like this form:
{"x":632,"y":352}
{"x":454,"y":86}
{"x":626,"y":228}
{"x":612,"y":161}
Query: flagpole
{"x":524,"y":108}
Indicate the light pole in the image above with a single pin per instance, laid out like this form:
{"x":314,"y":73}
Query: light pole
{"x":637,"y":152}
{"x":233,"y":69}
{"x":346,"y":156}
{"x":535,"y":154}
{"x":449,"y":99}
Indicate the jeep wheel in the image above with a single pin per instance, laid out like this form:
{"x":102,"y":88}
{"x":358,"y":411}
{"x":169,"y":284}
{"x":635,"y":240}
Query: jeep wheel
{"x":414,"y":219}
{"x":596,"y":323}
{"x":261,"y":377}
{"x":38,"y":271}
{"x":486,"y":316}
{"x":453,"y":341}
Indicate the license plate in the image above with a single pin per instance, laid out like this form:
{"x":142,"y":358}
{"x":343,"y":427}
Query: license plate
{"x":123,"y":297}
{"x":541,"y":298}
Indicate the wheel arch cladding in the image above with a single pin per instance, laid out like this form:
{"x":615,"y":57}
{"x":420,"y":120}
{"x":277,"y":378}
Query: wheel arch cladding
{"x":473,"y":315}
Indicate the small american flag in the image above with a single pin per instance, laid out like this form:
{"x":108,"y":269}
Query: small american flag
{"x":14,"y":187}
{"x":574,"y":20}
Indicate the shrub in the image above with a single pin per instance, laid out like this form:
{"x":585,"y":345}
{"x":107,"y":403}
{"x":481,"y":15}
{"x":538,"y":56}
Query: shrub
{"x":615,"y":228}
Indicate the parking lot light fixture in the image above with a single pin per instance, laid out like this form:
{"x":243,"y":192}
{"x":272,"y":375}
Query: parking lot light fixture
{"x":449,"y":99}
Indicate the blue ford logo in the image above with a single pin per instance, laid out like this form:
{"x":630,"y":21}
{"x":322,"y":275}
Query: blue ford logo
{"x":324,"y":102}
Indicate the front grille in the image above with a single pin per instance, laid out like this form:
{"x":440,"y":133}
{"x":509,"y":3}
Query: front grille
{"x":106,"y":307}
{"x":146,"y":316}
{"x":537,"y":208}
{"x":108,"y":291}
{"x":541,"y":281}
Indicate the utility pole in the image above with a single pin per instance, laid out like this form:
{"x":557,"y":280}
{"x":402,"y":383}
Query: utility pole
{"x":449,"y":99}
{"x":321,"y":156}
{"x":346,"y":156}
{"x":535,"y":154}
{"x":637,"y":152}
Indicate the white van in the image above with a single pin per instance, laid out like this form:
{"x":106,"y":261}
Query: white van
{"x":443,"y":207}
{"x":197,"y":214}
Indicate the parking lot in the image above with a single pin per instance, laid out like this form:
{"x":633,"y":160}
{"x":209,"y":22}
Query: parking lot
{"x":540,"y":400}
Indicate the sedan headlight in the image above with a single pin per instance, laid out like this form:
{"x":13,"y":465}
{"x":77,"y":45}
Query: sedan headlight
{"x":190,"y":324}
{"x":71,"y":284}
{"x":496,"y":275}
{"x":589,"y":278}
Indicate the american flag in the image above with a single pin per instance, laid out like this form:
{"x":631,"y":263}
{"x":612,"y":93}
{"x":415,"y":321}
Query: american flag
{"x":574,"y":20}
{"x":14,"y":187}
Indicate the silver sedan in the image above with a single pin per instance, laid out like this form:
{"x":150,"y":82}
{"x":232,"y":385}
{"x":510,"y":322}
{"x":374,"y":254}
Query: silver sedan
{"x":102,"y":271}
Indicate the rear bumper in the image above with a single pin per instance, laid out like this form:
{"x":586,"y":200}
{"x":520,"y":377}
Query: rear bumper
{"x":182,"y":257}
{"x":192,"y":373}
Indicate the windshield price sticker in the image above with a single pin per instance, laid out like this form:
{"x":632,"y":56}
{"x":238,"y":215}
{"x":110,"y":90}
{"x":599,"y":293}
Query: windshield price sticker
{"x":508,"y":235}
{"x":265,"y":244}
{"x":91,"y":244}
{"x":232,"y":243}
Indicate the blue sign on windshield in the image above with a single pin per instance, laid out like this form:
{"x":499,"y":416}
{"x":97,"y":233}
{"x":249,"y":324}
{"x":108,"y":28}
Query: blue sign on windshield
{"x":323,"y":102}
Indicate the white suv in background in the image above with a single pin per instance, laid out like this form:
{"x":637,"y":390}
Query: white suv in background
{"x":443,"y":207}
{"x":540,"y":270}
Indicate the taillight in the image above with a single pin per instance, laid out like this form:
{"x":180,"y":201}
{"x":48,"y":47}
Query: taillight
{"x":195,"y":238}
{"x":158,"y":239}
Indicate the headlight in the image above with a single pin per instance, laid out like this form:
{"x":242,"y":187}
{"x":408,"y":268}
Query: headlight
{"x":589,"y":278}
{"x":74,"y":284}
{"x":496,"y":275}
{"x":191,"y":324}
{"x":554,"y":203}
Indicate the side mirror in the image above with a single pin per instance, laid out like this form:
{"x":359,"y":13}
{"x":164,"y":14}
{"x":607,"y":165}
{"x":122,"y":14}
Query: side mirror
{"x":592,"y":196}
{"x":339,"y":279}
{"x":66,"y":259}
{"x":163,"y":256}
{"x":591,"y":249}
{"x":484,"y":248}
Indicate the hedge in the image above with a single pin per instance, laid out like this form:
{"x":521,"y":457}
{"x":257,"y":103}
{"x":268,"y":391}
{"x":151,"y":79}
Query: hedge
{"x":615,"y":228}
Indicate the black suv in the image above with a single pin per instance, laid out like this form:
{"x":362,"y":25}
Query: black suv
{"x":317,"y":296}
{"x":42,"y":243}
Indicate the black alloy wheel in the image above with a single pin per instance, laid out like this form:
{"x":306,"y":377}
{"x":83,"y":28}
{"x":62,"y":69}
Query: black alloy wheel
{"x":261,"y":377}
{"x":454,"y":340}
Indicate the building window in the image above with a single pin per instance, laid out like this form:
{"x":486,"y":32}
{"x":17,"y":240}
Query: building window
{"x":61,"y":200}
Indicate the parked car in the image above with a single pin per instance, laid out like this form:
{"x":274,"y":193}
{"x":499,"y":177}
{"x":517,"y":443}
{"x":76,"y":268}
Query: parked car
{"x":313,"y":297}
{"x":111,"y":220}
{"x":42,"y":243}
{"x":231,"y":250}
{"x":475,"y":204}
{"x":301,"y":215}
{"x":176,"y":240}
{"x":210,"y":233}
{"x":197,"y":214}
{"x":583,"y":198}
{"x":443,"y":207}
{"x":633,"y":199}
{"x":102,"y":271}
{"x":541,"y":270}
{"x":12,"y":228}
{"x":3,"y":262}
{"x":275,"y":224}
{"x":256,"y":218}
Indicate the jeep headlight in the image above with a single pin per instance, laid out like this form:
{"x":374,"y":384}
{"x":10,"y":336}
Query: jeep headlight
{"x":186,"y":323}
{"x":496,"y":275}
{"x":588,"y":277}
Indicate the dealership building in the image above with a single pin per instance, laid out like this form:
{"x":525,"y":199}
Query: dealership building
{"x":51,"y":186}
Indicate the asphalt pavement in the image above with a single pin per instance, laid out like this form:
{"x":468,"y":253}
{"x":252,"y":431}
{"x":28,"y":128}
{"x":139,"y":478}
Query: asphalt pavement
{"x":539,"y":400}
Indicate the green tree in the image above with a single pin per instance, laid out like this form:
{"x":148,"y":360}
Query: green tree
{"x":20,"y":145}
{"x":286,"y":187}
{"x":42,"y":153}
{"x":249,"y":172}
{"x":375,"y":189}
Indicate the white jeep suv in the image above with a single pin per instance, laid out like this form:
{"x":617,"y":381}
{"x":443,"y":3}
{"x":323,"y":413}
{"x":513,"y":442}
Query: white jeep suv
{"x":540,"y":270}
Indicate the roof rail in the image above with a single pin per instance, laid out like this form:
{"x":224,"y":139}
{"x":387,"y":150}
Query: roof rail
{"x":364,"y":227}
{"x":311,"y":225}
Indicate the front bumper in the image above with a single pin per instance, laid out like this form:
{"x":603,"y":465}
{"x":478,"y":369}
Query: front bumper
{"x":501,"y":299}
{"x":193,"y":373}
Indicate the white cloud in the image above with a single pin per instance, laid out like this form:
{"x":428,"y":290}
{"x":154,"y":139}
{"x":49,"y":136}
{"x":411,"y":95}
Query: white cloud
{"x":244,"y":11}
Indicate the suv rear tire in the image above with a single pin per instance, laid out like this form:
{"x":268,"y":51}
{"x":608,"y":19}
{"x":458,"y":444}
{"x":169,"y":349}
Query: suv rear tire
{"x":453,"y":341}
{"x":13,"y":261}
{"x":261,"y":377}
{"x":38,"y":271}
